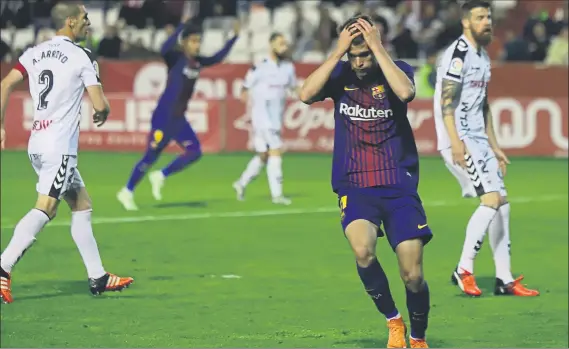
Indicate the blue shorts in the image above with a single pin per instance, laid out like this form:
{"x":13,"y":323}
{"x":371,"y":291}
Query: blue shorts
{"x":178,"y":130}
{"x":402,"y":215}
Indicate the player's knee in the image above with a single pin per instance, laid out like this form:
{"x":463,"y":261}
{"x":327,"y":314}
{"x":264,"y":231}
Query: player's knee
{"x":413,"y":278}
{"x":78,"y":200}
{"x":364,"y":255}
{"x":81,"y":205}
{"x":492,"y":200}
{"x":48,"y":205}
{"x":194,"y":151}
{"x":264,"y":157}
{"x":149,"y":159}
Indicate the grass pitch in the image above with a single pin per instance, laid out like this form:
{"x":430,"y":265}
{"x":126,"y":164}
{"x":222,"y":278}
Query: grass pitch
{"x":214,"y":272}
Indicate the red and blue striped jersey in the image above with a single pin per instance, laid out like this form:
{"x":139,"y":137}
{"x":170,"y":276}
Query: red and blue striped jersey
{"x":182,"y":77}
{"x":373,"y":139}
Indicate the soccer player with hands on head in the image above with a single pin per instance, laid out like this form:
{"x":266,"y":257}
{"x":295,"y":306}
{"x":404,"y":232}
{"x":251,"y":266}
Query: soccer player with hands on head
{"x":470,"y":150}
{"x":59,"y":71}
{"x":375,"y":169}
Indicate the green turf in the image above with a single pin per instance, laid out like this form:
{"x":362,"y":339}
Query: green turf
{"x":299,"y":287}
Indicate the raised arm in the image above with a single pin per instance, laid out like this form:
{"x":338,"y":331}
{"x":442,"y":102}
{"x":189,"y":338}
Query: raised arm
{"x":220,"y":56}
{"x":170,"y":44}
{"x":311,"y":90}
{"x":313,"y":86}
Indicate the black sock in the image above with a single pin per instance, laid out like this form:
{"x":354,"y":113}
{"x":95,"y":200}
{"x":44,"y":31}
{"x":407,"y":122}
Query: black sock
{"x":418,"y":305}
{"x":377,"y":286}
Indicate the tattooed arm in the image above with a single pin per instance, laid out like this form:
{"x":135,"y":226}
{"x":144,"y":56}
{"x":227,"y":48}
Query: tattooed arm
{"x":502,"y":158}
{"x":449,"y":101}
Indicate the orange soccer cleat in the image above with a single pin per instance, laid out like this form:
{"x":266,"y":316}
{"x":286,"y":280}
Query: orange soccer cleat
{"x":418,"y":343}
{"x":515,"y":288}
{"x":5,"y":287}
{"x":397,"y":333}
{"x":466,"y":282}
{"x":109,"y":282}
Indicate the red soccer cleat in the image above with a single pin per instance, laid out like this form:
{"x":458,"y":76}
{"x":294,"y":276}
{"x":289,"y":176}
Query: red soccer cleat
{"x":466,"y":282}
{"x":515,"y":288}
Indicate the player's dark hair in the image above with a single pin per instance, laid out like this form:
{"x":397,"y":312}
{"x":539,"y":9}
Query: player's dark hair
{"x":358,"y":40}
{"x":472,"y":4}
{"x":190,"y":29}
{"x":274,"y":36}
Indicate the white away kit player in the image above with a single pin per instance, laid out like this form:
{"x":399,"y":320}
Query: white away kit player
{"x":468,"y":145}
{"x":58,"y":71}
{"x":266,"y":85}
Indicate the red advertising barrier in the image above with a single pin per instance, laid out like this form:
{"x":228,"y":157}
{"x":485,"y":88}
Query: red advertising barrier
{"x":529,"y":104}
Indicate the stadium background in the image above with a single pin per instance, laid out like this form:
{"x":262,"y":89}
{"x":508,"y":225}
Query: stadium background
{"x":213,"y":272}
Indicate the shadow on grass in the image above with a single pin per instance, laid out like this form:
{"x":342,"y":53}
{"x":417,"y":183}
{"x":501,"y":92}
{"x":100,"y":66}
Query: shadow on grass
{"x":191,"y":204}
{"x":65,"y":288}
{"x":382,"y":342}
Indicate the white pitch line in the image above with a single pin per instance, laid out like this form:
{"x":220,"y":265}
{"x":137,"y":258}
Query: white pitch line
{"x":262,"y":213}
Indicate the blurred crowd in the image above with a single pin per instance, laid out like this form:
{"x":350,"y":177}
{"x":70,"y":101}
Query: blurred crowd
{"x":415,"y":29}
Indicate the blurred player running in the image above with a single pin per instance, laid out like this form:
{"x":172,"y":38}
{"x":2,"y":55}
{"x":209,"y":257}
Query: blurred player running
{"x":59,"y":71}
{"x":181,"y":52}
{"x":268,"y":82}
{"x":375,"y":169}
{"x":468,"y":145}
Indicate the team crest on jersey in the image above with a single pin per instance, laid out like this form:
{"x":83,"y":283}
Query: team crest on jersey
{"x":378,"y":92}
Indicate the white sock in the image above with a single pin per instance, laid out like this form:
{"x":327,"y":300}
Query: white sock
{"x":82,"y":233}
{"x":252,"y":170}
{"x":275,"y":174}
{"x":499,"y":236}
{"x":24,"y":236}
{"x":475,"y":231}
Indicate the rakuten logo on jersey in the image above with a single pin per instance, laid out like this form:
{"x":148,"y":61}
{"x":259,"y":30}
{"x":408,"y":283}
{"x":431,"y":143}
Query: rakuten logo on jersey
{"x":358,"y":113}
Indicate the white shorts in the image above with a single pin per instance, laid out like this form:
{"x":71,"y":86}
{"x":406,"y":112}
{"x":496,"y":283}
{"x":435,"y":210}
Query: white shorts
{"x":266,"y":118}
{"x":482,"y":175}
{"x":57,"y":174}
{"x":266,"y":139}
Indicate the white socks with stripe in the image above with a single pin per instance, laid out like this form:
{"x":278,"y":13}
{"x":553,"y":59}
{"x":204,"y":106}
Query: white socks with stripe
{"x":82,"y":233}
{"x":252,"y":170}
{"x":475,"y":231}
{"x":24,"y":236}
{"x":275,"y":175}
{"x":499,"y":236}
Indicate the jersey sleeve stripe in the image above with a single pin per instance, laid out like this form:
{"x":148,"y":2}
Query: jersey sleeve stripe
{"x":90,"y":55}
{"x":20,"y":67}
{"x":457,"y":61}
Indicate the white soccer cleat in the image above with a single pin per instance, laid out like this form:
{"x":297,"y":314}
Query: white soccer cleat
{"x":281,"y":200}
{"x":240,"y":191}
{"x":126,"y":198}
{"x":157,"y":182}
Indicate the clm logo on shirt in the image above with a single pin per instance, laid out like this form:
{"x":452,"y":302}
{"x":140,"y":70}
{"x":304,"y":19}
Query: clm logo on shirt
{"x":358,"y":113}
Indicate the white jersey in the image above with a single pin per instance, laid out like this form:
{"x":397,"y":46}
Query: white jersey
{"x":463,"y":63}
{"x":58,"y":71}
{"x":268,"y":83}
